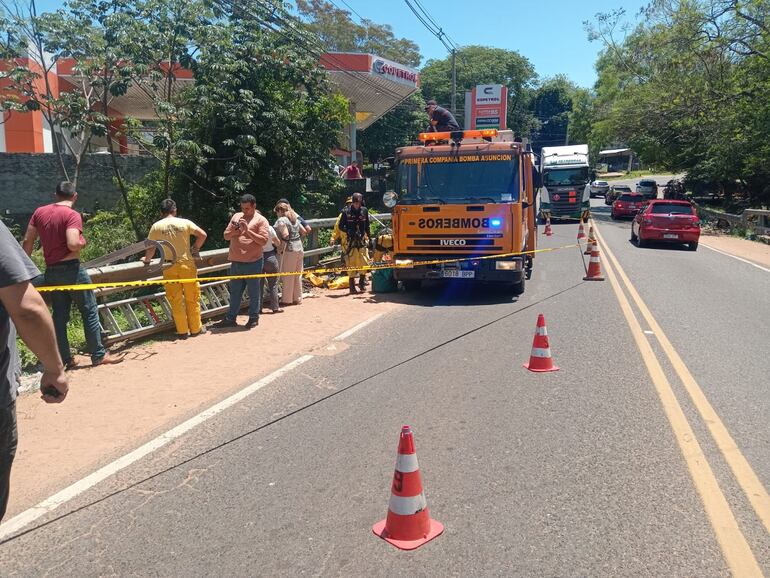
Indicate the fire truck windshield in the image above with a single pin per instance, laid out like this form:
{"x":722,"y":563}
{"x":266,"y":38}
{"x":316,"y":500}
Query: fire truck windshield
{"x":489,"y":181}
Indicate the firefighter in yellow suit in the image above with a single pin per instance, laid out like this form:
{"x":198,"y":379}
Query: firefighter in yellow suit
{"x":184,"y":298}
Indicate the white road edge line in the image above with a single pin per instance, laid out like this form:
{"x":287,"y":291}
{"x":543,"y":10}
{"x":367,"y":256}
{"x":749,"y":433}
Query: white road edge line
{"x":48,"y":505}
{"x":343,"y":336}
{"x":765,"y":269}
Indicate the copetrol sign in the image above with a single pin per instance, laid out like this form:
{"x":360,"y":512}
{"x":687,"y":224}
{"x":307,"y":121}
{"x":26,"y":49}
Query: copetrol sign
{"x":489,"y":106}
{"x":395,"y":72}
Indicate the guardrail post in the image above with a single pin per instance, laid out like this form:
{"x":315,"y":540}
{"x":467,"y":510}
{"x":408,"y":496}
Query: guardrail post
{"x":313,"y":244}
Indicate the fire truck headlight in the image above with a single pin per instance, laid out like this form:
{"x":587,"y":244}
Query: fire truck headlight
{"x":508,"y":265}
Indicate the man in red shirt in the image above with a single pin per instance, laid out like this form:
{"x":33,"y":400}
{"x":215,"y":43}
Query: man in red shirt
{"x":60,"y":229}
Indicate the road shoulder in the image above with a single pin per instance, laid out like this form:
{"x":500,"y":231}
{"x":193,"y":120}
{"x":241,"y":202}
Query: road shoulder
{"x":112,"y":410}
{"x":753,"y":251}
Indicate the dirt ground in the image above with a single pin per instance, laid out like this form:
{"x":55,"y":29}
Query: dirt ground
{"x":112,"y":410}
{"x":754,"y":251}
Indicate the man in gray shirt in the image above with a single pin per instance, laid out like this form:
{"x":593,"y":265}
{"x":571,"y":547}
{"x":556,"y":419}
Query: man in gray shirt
{"x":22,"y":308}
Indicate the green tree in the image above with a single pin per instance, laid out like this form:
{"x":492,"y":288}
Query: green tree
{"x":92,"y":35}
{"x":484,"y":65}
{"x":551,"y":104}
{"x":397,"y":128}
{"x":265,"y":121}
{"x":339,"y":33}
{"x":683,"y":89}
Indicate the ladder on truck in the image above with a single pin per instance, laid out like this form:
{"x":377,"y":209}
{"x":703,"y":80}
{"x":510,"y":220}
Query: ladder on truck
{"x":140,"y":316}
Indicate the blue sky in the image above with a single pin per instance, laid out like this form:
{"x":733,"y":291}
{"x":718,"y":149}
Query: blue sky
{"x":549,"y":33}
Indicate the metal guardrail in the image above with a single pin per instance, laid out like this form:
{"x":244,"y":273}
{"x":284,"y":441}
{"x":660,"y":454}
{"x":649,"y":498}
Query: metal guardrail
{"x":755,"y":220}
{"x":136,"y":317}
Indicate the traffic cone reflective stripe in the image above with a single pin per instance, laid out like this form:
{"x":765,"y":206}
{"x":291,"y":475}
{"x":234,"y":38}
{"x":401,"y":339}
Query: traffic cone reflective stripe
{"x":581,"y":231}
{"x":540,"y":359}
{"x":594,"y":266}
{"x":548,"y":231}
{"x":408,"y":524}
{"x":591,"y":241}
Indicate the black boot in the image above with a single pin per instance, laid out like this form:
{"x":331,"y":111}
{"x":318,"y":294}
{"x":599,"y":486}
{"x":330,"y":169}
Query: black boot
{"x":352,"y":288}
{"x":362,"y":283}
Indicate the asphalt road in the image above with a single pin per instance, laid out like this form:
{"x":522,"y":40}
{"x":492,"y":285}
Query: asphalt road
{"x":581,"y":472}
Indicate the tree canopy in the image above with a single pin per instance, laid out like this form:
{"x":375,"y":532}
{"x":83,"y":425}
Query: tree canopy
{"x":686,"y":89}
{"x":483,"y":65}
{"x":338,"y":32}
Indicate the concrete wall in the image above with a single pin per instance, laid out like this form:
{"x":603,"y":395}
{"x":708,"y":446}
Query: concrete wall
{"x":29,"y":180}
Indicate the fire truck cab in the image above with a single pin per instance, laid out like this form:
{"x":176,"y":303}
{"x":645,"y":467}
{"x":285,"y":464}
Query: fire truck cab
{"x":467,"y":198}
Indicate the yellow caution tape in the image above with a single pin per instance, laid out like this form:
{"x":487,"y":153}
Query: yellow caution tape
{"x":129,"y":284}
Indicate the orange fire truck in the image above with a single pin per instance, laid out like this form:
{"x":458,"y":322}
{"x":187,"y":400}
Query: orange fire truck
{"x":460,"y":196}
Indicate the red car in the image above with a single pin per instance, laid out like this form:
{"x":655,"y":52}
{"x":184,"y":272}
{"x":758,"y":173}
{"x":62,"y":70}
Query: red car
{"x":627,"y":205}
{"x":667,"y":221}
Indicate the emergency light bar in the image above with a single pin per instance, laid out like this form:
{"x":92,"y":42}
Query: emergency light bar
{"x":462,"y":134}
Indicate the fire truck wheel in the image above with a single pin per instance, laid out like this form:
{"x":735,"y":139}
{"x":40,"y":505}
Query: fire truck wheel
{"x":412,"y":284}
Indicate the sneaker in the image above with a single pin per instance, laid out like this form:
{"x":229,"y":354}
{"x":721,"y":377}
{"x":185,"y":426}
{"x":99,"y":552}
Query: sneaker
{"x":71,"y":364}
{"x":110,"y":359}
{"x":226,"y":323}
{"x":252,"y":323}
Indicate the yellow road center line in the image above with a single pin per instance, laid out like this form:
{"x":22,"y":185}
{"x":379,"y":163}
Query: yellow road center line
{"x":732,"y":542}
{"x":742,"y":470}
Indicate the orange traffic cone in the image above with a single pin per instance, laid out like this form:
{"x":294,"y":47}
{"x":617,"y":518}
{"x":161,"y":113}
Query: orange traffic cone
{"x":408,"y":525}
{"x":581,"y":231}
{"x":591,"y":241}
{"x":540,"y":359}
{"x":594,"y":266}
{"x":548,"y":232}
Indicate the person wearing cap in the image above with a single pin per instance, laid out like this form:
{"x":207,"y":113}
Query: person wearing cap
{"x":441,"y":120}
{"x":184,"y":298}
{"x":60,"y":229}
{"x":354,"y":222}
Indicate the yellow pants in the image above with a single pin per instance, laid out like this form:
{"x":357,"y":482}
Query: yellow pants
{"x":355,"y":258}
{"x":184,"y":298}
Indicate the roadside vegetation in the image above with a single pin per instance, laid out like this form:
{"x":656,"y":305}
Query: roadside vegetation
{"x":685,"y":87}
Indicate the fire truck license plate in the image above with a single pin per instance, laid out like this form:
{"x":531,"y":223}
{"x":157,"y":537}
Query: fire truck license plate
{"x":457,"y":274}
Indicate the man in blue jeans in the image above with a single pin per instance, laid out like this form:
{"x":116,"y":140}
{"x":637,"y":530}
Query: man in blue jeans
{"x":60,"y":229}
{"x":247,"y":232}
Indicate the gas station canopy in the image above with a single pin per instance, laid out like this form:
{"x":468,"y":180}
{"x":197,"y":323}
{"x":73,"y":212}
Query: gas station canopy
{"x":372,"y":84}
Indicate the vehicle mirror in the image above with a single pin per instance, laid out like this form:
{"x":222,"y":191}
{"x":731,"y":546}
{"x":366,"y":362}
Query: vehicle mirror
{"x":390,"y":199}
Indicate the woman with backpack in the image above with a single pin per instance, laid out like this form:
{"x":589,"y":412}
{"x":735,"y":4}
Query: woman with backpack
{"x":290,"y":231}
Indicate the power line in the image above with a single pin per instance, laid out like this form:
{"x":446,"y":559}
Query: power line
{"x":353,"y":10}
{"x":430,"y":24}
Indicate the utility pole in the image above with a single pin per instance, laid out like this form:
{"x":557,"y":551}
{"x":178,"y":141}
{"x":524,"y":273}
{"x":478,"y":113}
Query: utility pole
{"x":454,"y":83}
{"x":566,"y":133}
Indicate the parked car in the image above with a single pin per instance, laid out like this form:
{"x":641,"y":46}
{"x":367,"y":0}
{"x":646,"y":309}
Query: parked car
{"x":599,"y":188}
{"x":648,"y":188}
{"x":627,"y":205}
{"x":614,"y":192}
{"x":667,"y":221}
